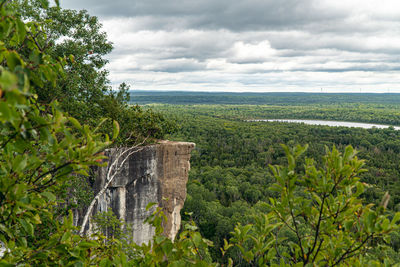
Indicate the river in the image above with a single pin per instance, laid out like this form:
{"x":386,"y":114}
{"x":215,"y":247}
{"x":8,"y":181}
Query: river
{"x":334,"y":123}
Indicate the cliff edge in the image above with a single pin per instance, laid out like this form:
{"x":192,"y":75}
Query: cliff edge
{"x":157,"y":173}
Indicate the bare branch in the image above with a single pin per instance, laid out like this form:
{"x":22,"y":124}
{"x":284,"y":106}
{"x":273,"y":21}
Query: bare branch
{"x":296,"y":229}
{"x":317,"y":230}
{"x":351,"y":250}
{"x":113,"y":169}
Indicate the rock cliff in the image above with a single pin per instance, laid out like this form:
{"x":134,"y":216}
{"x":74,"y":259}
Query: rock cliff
{"x":157,"y":173}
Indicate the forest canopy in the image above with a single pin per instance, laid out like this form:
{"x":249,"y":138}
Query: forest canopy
{"x":230,"y":180}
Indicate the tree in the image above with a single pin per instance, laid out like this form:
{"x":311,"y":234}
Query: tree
{"x":40,"y":149}
{"x":319,"y":219}
{"x":84,"y":92}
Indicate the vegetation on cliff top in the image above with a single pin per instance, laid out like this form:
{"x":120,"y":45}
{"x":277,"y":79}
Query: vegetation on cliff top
{"x":84,"y":91}
{"x":40,"y":149}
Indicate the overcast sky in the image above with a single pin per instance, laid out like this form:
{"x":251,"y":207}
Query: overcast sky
{"x":252,"y":45}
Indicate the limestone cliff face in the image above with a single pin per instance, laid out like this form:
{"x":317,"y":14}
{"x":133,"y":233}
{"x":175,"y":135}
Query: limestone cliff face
{"x":157,"y":173}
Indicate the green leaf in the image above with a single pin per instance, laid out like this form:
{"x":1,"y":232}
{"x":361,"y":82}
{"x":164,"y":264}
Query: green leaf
{"x":105,"y":263}
{"x":50,"y":196}
{"x":13,"y":60}
{"x":19,"y":163}
{"x":115,"y":129}
{"x":66,"y":236}
{"x":8,"y":80}
{"x":385,"y":224}
{"x":21,"y":31}
{"x":360,"y":189}
{"x":28,"y":227}
{"x":396,"y":218}
{"x":100,"y":124}
{"x":82,"y":172}
{"x":197,"y":239}
{"x":21,"y":241}
{"x":5,"y":112}
{"x":3,"y":263}
{"x":88,"y":244}
{"x":75,"y":123}
{"x":167,"y":247}
{"x":248,"y":256}
{"x":150,"y":205}
{"x":6,"y":230}
{"x":41,"y":256}
{"x":159,"y":239}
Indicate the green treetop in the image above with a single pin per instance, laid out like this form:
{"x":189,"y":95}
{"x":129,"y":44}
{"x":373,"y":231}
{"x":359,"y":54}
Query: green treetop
{"x":84,"y":91}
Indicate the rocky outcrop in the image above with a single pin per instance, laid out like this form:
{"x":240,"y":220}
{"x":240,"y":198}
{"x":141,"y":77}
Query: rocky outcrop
{"x":157,"y":173}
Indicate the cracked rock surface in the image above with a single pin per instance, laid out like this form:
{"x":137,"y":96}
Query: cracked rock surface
{"x":157,"y":173}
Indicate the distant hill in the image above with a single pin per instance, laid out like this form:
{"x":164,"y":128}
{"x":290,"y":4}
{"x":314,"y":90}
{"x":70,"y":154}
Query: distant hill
{"x":186,"y":97}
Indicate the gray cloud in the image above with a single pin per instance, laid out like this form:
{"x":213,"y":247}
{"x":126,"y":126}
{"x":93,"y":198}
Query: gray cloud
{"x":222,"y":14}
{"x":256,"y":44}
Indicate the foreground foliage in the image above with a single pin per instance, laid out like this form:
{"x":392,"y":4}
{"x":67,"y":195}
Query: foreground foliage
{"x":41,"y":149}
{"x":84,"y":91}
{"x":319,"y":218}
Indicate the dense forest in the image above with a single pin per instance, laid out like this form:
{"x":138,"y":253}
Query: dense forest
{"x":230,"y":180}
{"x":274,"y":98}
{"x":371,"y":113}
{"x":258,"y":195}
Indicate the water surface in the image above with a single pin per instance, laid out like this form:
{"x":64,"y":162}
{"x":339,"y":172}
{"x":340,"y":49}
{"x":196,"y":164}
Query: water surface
{"x":334,"y":123}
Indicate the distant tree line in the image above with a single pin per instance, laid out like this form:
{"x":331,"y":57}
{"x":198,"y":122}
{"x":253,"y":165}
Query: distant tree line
{"x":285,"y":99}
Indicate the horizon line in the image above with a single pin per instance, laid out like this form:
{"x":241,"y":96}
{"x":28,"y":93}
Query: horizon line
{"x":256,"y":92}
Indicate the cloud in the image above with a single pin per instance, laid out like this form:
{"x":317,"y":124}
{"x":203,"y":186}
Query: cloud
{"x":259,"y":52}
{"x":210,"y":14}
{"x":252,"y":44}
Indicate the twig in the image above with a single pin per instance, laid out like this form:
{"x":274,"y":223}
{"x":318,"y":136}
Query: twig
{"x":113,"y":170}
{"x":349,"y":250}
{"x":317,"y":229}
{"x":297,"y":230}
